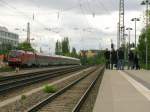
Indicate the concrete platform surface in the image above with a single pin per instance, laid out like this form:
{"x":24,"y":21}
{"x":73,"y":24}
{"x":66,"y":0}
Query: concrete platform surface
{"x":142,"y":76}
{"x":121,"y":93}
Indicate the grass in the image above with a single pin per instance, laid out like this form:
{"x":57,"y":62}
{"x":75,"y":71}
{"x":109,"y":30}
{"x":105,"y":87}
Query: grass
{"x":23,"y":97}
{"x":144,"y":66}
{"x":6,"y":69}
{"x":49,"y":89}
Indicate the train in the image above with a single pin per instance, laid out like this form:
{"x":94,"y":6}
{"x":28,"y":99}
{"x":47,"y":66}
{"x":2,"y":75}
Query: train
{"x":30,"y":59}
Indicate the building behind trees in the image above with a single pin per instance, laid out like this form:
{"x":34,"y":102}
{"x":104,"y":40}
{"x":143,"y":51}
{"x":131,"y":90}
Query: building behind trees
{"x":8,"y":40}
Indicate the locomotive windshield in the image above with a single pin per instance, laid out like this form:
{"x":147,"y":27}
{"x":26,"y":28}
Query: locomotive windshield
{"x":14,"y":54}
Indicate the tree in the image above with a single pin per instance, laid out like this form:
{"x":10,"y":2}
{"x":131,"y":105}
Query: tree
{"x":25,"y":46}
{"x":65,"y":46}
{"x":5,"y":48}
{"x":94,"y":60}
{"x":142,"y":46}
{"x":74,"y":53}
{"x":83,"y":58}
{"x":58,"y":48}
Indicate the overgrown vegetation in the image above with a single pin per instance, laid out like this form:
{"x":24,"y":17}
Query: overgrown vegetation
{"x":25,"y":46}
{"x":63,"y":48}
{"x":6,"y":69}
{"x":49,"y":89}
{"x":142,"y":48}
{"x":95,"y":60}
{"x":23,"y":97}
{"x":5,"y":48}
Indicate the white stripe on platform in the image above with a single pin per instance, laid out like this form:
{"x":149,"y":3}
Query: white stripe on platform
{"x":138,"y":86}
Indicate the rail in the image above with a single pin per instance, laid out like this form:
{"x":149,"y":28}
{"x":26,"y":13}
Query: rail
{"x":60,"y":92}
{"x":5,"y":87}
{"x":85,"y":95}
{"x":23,"y":75}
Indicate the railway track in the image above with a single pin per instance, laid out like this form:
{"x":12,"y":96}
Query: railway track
{"x":24,"y":75}
{"x":19,"y":81}
{"x":72,"y":96}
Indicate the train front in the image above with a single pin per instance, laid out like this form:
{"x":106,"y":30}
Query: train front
{"x":14,"y":58}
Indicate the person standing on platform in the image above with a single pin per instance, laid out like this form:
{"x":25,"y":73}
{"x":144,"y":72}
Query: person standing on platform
{"x":107,"y":58}
{"x":120,"y":64}
{"x":136,"y":62}
{"x":113,"y":58}
{"x":130,"y":60}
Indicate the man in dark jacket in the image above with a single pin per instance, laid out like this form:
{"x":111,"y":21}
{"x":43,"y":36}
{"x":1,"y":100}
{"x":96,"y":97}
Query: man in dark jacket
{"x":136,"y":62}
{"x":113,"y":58}
{"x":130,"y":60}
{"x":120,"y":54}
{"x":107,"y":58}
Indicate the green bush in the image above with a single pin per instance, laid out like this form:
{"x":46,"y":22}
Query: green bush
{"x":23,"y":97}
{"x":49,"y":89}
{"x":6,"y":69}
{"x":143,"y":66}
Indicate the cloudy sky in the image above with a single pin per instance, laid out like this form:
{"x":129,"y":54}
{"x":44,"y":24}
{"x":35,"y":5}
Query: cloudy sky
{"x":89,"y":24}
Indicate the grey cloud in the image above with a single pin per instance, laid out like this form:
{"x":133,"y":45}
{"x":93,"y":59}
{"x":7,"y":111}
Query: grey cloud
{"x":133,"y":5}
{"x":94,"y":7}
{"x":76,"y":26}
{"x":88,"y":40}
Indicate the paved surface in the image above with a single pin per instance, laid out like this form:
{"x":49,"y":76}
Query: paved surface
{"x":141,"y":76}
{"x":6,"y":74}
{"x":120,"y":92}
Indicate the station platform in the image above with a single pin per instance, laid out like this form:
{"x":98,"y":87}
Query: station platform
{"x":124,"y":91}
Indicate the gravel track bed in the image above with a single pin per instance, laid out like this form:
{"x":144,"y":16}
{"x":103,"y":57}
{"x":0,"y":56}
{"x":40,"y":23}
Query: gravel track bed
{"x":26,"y":71}
{"x":25,"y":89}
{"x":23,"y":104}
{"x":90,"y":101}
{"x":67,"y":101}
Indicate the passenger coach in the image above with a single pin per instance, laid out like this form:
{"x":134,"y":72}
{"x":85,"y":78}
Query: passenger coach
{"x":29,"y":59}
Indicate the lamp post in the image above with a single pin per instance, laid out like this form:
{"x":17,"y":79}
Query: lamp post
{"x":129,"y":30}
{"x":1,"y":46}
{"x":135,"y":20}
{"x":147,"y":3}
{"x":125,"y":52}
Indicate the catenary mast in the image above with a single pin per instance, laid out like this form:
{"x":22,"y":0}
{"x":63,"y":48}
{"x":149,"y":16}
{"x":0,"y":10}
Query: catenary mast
{"x":121,"y":27}
{"x":28,"y":32}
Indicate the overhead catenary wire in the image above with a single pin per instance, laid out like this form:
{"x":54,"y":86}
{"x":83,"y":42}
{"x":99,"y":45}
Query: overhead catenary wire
{"x":103,"y":6}
{"x":60,"y":12}
{"x":114,"y":6}
{"x":82,"y":39}
{"x":32,"y":17}
{"x":89,"y":7}
{"x":87,"y":21}
{"x":21,"y":12}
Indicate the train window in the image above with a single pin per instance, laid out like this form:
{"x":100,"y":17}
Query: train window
{"x":14,"y":54}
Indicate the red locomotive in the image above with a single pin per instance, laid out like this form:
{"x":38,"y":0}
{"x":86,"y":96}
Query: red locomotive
{"x":29,"y":59}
